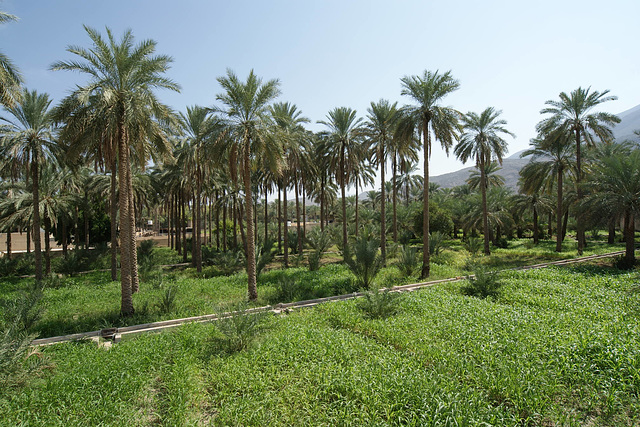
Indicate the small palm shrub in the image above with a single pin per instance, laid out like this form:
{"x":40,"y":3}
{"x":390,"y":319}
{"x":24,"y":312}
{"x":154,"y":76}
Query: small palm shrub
{"x":239,"y":328}
{"x":367,"y":263}
{"x":484,"y":284}
{"x":376,"y":304}
{"x":145,"y":251}
{"x":264,"y":255}
{"x":319,"y":241}
{"x":473,"y":245}
{"x":622,"y":263}
{"x":18,"y":361}
{"x":436,"y":242}
{"x":408,"y":260}
{"x":7,"y":266}
{"x":502,"y":243}
{"x":292,"y":240}
{"x":167,"y":303}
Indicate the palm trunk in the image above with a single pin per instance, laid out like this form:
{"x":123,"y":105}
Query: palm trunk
{"x":64,"y":238}
{"x":251,"y":243}
{"x":279,"y":220}
{"x":426,"y":267}
{"x":344,"y":203}
{"x":29,"y":239}
{"x":304,"y":214}
{"x":579,"y":222}
{"x":383,"y":224}
{"x":9,"y":244}
{"x":235,"y":221}
{"x":241,"y":220}
{"x":216,"y":218}
{"x":47,"y":245}
{"x":322,"y":203}
{"x":224,"y":222}
{"x":36,"y":218}
{"x":299,"y":231}
{"x":612,"y":231}
{"x":183,"y":224}
{"x":485,"y":216}
{"x":135,"y":283}
{"x":126,"y":305}
{"x":357,"y":219}
{"x":266,"y":214}
{"x":86,"y":220}
{"x":536,"y":238}
{"x":559,"y":229}
{"x":285,"y":225}
{"x":113,"y":212}
{"x":395,"y":199}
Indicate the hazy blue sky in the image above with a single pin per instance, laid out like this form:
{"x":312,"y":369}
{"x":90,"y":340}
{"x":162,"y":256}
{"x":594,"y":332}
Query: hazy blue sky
{"x":512,"y":55}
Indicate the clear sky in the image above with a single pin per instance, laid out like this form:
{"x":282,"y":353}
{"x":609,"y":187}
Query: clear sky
{"x":512,"y":55}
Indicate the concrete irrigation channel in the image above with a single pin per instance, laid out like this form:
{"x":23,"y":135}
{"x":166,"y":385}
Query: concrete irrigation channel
{"x":114,"y":334}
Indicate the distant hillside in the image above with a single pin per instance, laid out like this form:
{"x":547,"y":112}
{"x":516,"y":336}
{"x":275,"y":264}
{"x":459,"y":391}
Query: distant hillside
{"x":511,"y":165}
{"x":630,"y":122}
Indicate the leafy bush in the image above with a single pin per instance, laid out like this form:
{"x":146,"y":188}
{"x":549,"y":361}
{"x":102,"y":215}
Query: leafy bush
{"x":436,"y":242}
{"x":501,"y":243}
{"x":622,"y":263}
{"x":408,"y":260}
{"x":367,"y":263}
{"x":378,"y":304}
{"x":76,"y":260}
{"x":168,"y":302}
{"x":473,"y":245}
{"x":484,"y":284}
{"x":239,"y":328}
{"x":292,"y":239}
{"x":319,"y":241}
{"x":230,"y":262}
{"x":264,"y":255}
{"x":18,"y":362}
{"x":145,"y":251}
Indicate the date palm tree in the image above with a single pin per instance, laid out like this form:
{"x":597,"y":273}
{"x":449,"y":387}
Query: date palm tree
{"x":616,"y":184}
{"x":29,"y":140}
{"x":574,"y":114}
{"x":481,"y":140}
{"x":426,"y":117}
{"x":552,"y":157}
{"x":381,"y":125}
{"x":246,"y":107}
{"x":122,"y":81}
{"x":342,"y":140}
{"x":10,"y":78}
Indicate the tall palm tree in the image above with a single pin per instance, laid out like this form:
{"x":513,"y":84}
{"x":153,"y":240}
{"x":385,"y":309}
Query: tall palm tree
{"x":551,"y":158}
{"x":425,"y":117}
{"x":29,"y":140}
{"x":342,"y":139}
{"x":616,"y":185}
{"x":122,"y":80}
{"x":481,"y":140}
{"x":573,"y":114}
{"x":246,"y":107}
{"x":10,"y":78}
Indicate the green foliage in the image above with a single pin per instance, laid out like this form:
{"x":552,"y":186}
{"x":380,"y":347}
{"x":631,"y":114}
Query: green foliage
{"x":292,"y":237}
{"x":439,"y":220}
{"x":265,"y":253}
{"x":239,"y":328}
{"x":377,"y":304}
{"x":473,"y":245}
{"x":167,"y":303}
{"x":484,"y":284}
{"x":319,"y":241}
{"x":408,"y":260}
{"x":367,"y":263}
{"x":18,"y":265}
{"x":18,"y":362}
{"x":437,"y":242}
{"x":623,"y":263}
{"x":501,"y":243}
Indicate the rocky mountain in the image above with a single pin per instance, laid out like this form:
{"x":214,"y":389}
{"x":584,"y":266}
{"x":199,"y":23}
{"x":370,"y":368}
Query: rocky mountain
{"x":630,"y":122}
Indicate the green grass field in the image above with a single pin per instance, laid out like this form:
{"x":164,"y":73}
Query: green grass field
{"x":560,"y":346}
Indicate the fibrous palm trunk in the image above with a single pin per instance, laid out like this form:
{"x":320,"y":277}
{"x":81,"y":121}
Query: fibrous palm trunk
{"x":344,"y":202}
{"x":299,"y":231}
{"x":285,"y":223}
{"x":395,"y":199}
{"x":251,"y":243}
{"x":426,"y":267}
{"x":36,"y":217}
{"x":383,"y":226}
{"x":559,"y":230}
{"x":113,"y":212}
{"x":126,"y":305}
{"x":485,"y":216}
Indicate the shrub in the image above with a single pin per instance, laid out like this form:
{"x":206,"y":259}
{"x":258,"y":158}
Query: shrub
{"x":484,"y":284}
{"x":408,"y":260}
{"x":501,"y":243}
{"x":436,"y":242}
{"x":18,"y":362}
{"x":473,"y":245}
{"x":239,"y":328}
{"x":367,"y":263}
{"x":168,"y":302}
{"x":264,"y":255}
{"x":145,"y":251}
{"x":319,"y":241}
{"x":378,"y":304}
{"x":622,"y":263}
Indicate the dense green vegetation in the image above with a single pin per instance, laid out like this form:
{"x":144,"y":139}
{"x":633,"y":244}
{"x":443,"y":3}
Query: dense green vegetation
{"x":558,"y":347}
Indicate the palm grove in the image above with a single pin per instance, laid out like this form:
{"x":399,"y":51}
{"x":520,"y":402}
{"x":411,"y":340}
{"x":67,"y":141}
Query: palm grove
{"x":64,"y":166}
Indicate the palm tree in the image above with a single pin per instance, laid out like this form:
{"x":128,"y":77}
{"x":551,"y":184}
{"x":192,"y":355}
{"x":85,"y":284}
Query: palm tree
{"x":616,"y":185}
{"x":342,"y":138}
{"x":573,"y":114}
{"x":551,"y":159}
{"x":10,"y":78}
{"x":29,"y":140}
{"x":425,"y":117}
{"x":246,"y":107}
{"x":381,"y":125}
{"x":481,"y":140}
{"x":123,"y":77}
